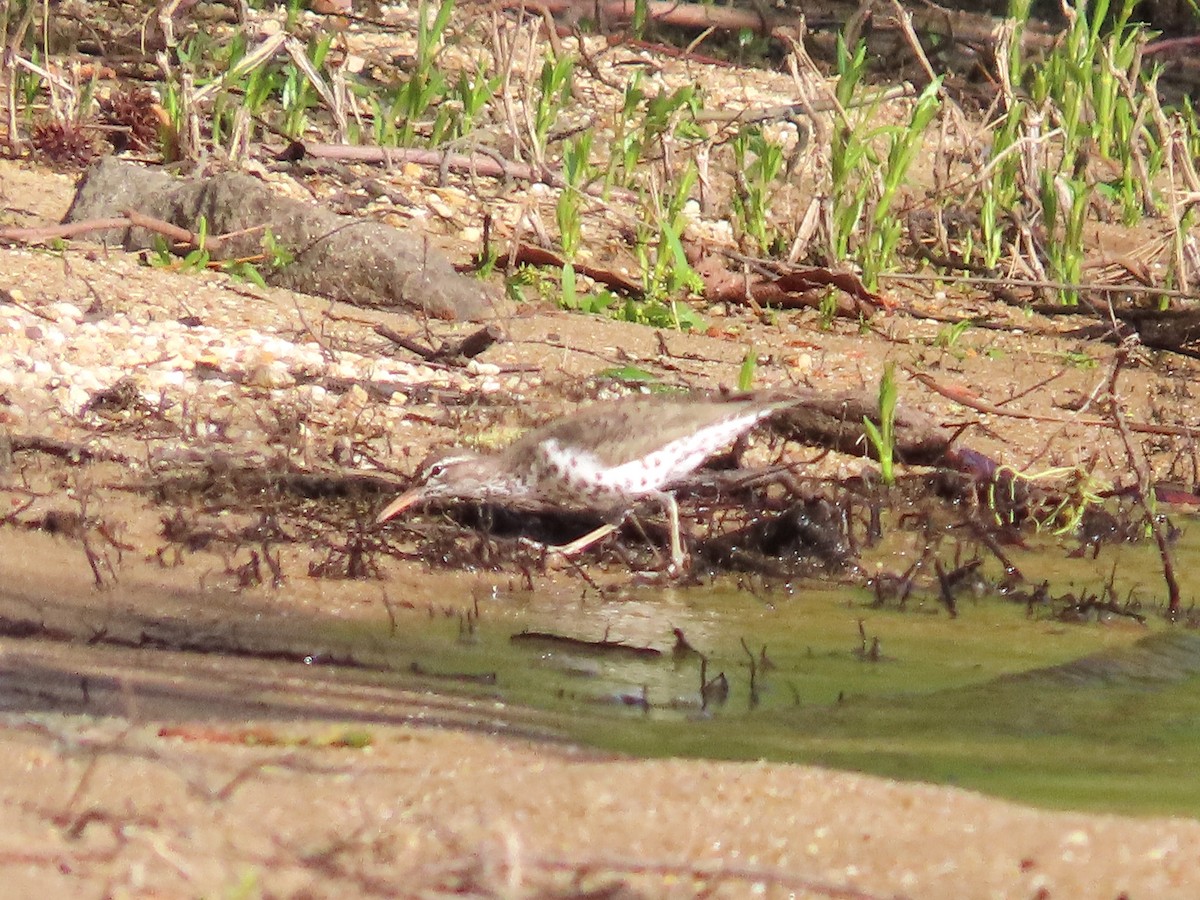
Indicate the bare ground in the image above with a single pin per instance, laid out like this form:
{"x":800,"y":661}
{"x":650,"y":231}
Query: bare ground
{"x":136,"y":769}
{"x":153,"y":750}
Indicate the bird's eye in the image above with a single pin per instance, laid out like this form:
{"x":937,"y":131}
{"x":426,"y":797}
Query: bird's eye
{"x":436,"y":470}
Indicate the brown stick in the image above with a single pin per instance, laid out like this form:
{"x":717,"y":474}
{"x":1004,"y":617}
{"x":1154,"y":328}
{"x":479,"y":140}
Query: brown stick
{"x":1040,"y":284}
{"x":528,"y":254}
{"x":458,"y":351}
{"x":400,"y":340}
{"x":694,"y":15}
{"x":1144,"y":489}
{"x":182,"y":238}
{"x":473,"y":164}
{"x":68,"y":450}
{"x":970,"y":401}
{"x":53,"y":232}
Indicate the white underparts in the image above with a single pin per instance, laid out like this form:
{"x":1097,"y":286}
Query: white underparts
{"x":576,"y":471}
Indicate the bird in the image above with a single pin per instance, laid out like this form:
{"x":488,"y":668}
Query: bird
{"x":606,"y":457}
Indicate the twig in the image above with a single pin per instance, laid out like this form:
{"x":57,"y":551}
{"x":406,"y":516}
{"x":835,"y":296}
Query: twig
{"x":182,"y":238}
{"x":458,"y":351}
{"x":972,"y":402}
{"x":473,"y":164}
{"x":1143,"y":492}
{"x":53,"y":232}
{"x":68,"y":450}
{"x":1041,"y":284}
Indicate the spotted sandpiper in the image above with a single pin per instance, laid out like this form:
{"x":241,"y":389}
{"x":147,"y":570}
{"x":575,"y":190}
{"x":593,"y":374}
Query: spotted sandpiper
{"x":605,"y":457}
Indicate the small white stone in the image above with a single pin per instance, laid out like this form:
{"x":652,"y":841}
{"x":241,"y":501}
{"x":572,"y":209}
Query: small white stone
{"x":1077,"y":838}
{"x":177,"y":345}
{"x":801,"y":362}
{"x":279,"y":346}
{"x":315,"y":392}
{"x":74,"y":399}
{"x":171,"y":378}
{"x":345,"y":368}
{"x":475,"y":367}
{"x":356,"y":396}
{"x":273,"y":375}
{"x":311,"y":358}
{"x":439,"y":206}
{"x":87,"y":379}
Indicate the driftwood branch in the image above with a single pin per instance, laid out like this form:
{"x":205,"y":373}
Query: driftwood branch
{"x":479,"y":164}
{"x":181,"y":238}
{"x":451,"y":351}
{"x":973,"y":401}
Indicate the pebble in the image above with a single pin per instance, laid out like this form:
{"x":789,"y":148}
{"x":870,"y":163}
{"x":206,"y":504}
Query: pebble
{"x":475,"y":367}
{"x":57,"y":358}
{"x":272,"y":375}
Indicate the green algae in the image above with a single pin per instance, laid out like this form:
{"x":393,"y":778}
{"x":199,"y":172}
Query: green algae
{"x":1100,"y":714}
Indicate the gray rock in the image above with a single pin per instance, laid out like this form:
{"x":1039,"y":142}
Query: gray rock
{"x":341,"y":257}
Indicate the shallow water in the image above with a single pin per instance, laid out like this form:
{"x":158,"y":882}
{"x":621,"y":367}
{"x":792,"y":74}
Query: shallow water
{"x":1101,"y":714}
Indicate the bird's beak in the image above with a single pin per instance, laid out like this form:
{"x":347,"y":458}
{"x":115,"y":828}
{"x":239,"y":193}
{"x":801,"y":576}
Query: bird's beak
{"x":397,"y":506}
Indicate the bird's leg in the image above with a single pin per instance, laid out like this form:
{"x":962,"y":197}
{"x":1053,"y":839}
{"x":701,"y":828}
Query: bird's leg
{"x":637,"y":523}
{"x":678,"y":557}
{"x":582,"y":543}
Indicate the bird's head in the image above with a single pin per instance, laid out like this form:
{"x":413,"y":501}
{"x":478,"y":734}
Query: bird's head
{"x":459,"y":475}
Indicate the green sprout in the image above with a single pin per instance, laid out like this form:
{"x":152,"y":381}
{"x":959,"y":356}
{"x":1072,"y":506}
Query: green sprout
{"x":863,"y":185}
{"x":883,"y":436}
{"x":758,"y":163}
{"x":748,"y":369}
{"x":424,"y":87}
{"x":949,"y":335}
{"x":577,"y":171}
{"x":554,"y":91}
